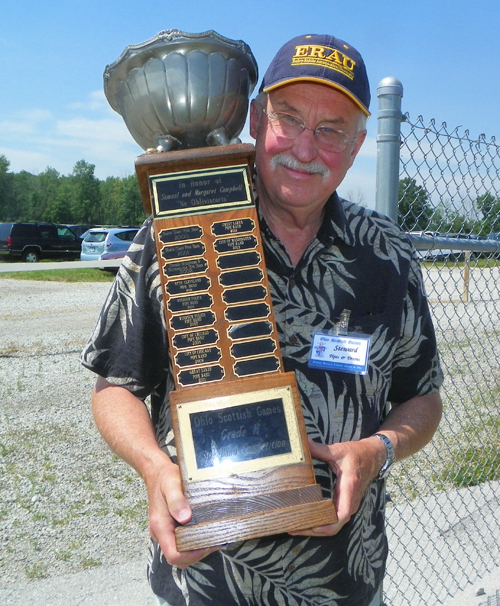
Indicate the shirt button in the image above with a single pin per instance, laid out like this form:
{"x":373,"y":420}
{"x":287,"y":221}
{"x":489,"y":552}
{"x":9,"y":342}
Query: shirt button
{"x":294,"y":340}
{"x":292,"y":283}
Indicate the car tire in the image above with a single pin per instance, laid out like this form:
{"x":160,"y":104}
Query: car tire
{"x":31,"y":255}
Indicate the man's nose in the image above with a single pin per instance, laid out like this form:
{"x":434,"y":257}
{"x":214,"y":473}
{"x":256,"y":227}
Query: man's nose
{"x":304,"y":147}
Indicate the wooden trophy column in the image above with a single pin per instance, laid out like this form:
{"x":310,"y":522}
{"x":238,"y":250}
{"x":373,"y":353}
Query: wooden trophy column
{"x":239,"y":432}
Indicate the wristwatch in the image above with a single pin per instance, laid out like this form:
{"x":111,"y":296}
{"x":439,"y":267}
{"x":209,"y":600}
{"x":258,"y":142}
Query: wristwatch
{"x":391,"y":457}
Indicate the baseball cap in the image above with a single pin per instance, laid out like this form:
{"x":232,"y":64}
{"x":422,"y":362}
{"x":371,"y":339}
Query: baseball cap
{"x":324,"y":59}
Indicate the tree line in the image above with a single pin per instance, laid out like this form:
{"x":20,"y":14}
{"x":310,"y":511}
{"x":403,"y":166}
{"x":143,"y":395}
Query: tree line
{"x":416,"y":213}
{"x":81,"y":198}
{"x":78,"y":198}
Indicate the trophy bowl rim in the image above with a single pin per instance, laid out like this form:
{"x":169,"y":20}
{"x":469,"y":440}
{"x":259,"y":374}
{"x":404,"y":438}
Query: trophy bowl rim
{"x":172,"y":40}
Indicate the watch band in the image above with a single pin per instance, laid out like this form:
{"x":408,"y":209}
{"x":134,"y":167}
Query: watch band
{"x":391,"y":457}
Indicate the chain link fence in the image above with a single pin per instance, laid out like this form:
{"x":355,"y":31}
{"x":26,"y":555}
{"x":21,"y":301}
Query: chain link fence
{"x":444,"y":503}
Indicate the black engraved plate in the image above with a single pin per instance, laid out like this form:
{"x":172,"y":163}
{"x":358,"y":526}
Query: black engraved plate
{"x":256,"y":366}
{"x":188,"y":285}
{"x":244,"y":276}
{"x":184,"y":268}
{"x":195,"y":320}
{"x":195,"y":339}
{"x":240,"y":433}
{"x":201,"y":375}
{"x":198,"y":357}
{"x":247,"y":312}
{"x":253,"y":348}
{"x":240,"y":295}
{"x":178,"y":251}
{"x":190,"y":303}
{"x":240,"y":260}
{"x":236,"y":226}
{"x":249,"y":330}
{"x":235,"y":244}
{"x":200,"y":191}
{"x":178,"y":234}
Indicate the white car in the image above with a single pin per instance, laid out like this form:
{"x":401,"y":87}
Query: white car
{"x":105,"y":240}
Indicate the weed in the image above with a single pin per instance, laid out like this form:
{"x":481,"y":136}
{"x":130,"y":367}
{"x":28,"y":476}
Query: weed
{"x":38,"y":570}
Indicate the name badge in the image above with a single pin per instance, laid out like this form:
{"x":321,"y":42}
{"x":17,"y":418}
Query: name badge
{"x":349,"y":353}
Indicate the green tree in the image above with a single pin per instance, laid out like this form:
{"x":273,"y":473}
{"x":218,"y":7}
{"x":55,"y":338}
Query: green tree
{"x":85,"y":202}
{"x":446,"y":219}
{"x":489,"y":207}
{"x":5,"y":189}
{"x":414,"y":209}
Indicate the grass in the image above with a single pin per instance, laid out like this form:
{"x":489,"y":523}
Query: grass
{"x":475,"y":454}
{"x":61,"y":275}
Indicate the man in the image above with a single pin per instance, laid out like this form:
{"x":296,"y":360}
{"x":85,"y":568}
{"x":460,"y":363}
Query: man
{"x":325,"y":256}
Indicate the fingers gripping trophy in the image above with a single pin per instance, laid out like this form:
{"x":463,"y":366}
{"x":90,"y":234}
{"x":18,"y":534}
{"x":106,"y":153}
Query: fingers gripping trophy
{"x":240,"y":437}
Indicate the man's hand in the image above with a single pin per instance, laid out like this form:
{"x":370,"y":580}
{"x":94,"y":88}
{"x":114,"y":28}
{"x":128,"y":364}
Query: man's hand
{"x":168,"y":507}
{"x":354,"y":464}
{"x":409,"y":426}
{"x":125,"y":424}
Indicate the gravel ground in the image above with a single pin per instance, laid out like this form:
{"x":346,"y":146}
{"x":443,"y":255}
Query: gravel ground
{"x":66,"y":502}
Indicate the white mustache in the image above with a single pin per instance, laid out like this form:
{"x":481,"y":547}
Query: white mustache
{"x":294,"y":164}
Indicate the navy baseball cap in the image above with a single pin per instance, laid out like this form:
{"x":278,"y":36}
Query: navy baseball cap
{"x":323,"y":59}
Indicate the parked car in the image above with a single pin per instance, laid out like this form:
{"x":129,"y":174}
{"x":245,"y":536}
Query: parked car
{"x":31,"y":242}
{"x":80,"y":230}
{"x":104,"y":240}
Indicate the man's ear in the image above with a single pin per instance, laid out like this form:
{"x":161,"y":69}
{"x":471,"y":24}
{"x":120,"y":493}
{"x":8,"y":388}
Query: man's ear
{"x":255,"y":113}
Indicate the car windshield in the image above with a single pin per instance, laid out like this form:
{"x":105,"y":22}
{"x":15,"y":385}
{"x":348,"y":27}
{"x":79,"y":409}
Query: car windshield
{"x":94,"y":236}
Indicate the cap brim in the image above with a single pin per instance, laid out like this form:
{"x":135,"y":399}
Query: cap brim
{"x":321,"y":81}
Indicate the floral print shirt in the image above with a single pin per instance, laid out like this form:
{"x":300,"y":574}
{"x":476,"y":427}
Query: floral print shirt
{"x":360,"y":261}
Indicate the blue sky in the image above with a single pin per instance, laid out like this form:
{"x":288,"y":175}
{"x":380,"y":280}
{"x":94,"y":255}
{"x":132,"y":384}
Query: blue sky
{"x":53,"y":111}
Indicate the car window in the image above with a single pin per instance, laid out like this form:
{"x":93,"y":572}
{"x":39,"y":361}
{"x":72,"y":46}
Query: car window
{"x":64,"y":232}
{"x":96,"y":236}
{"x":48,"y":231}
{"x":127,"y":236}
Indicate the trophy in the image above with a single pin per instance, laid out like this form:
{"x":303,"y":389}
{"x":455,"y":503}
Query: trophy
{"x":240,"y":437}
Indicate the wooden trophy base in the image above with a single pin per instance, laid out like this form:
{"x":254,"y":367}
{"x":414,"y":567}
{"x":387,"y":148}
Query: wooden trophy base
{"x":249,"y":497}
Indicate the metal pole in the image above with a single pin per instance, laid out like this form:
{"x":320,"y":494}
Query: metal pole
{"x":389,"y":117}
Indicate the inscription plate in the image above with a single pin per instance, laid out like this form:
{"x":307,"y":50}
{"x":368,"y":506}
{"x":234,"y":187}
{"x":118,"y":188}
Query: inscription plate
{"x":240,"y":295}
{"x":247,"y":312}
{"x":177,"y":251}
{"x":249,"y":330}
{"x":187,"y":285}
{"x":237,"y":226}
{"x":204,"y":318}
{"x":201,"y":191}
{"x":235,"y":244}
{"x":198,"y":357}
{"x":253,"y":348}
{"x":244,"y":276}
{"x":184,"y":268}
{"x":240,"y":433}
{"x":239,"y":260}
{"x":190,"y":303}
{"x":201,"y":375}
{"x":177,"y":234}
{"x":256,"y":366}
{"x":195,"y":339}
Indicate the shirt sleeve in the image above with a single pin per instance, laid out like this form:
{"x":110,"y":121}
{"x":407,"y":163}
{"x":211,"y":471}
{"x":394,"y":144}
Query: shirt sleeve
{"x":416,"y":366}
{"x":128,"y":346}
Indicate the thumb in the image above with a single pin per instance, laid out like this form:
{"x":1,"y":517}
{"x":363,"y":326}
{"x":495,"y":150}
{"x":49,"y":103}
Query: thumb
{"x":320,"y":451}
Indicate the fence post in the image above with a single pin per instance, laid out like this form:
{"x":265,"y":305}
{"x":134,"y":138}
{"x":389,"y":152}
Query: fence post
{"x":389,"y":93}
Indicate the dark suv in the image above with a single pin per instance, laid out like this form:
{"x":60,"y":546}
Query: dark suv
{"x":31,"y":242}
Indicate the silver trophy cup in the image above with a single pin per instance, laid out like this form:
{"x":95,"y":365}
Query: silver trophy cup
{"x":180,"y":90}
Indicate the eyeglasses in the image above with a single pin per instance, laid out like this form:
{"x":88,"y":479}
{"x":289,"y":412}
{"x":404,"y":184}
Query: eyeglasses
{"x":290,"y":127}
